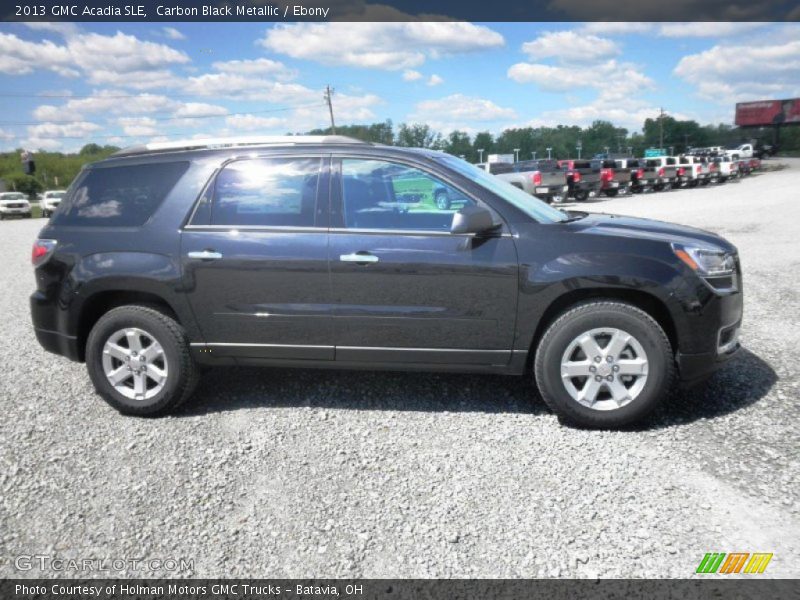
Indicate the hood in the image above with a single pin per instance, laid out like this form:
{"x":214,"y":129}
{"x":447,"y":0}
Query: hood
{"x":648,"y":229}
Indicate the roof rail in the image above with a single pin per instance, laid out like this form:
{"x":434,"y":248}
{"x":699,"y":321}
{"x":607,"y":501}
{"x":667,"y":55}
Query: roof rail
{"x":232,"y":142}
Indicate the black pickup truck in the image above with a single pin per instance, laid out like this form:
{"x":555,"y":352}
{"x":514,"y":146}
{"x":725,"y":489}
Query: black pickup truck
{"x":583,"y":179}
{"x":642,"y":178}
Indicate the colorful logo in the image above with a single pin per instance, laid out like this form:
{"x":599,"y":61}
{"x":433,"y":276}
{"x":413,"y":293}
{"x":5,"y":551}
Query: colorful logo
{"x":735,"y":562}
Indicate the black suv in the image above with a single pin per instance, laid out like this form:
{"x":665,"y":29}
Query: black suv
{"x":325,"y":251}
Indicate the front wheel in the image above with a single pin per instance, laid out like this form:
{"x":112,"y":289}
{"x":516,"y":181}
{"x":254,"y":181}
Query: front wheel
{"x":442,"y":201}
{"x":604,"y":364}
{"x":139,"y":361}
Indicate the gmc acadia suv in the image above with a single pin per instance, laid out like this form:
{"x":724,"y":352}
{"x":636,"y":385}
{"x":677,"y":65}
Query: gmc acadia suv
{"x":325,"y":251}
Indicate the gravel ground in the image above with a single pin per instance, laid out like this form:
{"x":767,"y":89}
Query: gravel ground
{"x":335,"y":474}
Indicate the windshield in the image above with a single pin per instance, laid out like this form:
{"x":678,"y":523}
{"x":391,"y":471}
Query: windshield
{"x":54,"y":194}
{"x":531,"y":206}
{"x":16,"y":196}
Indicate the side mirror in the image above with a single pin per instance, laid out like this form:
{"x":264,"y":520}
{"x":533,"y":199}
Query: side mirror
{"x":472,"y":219}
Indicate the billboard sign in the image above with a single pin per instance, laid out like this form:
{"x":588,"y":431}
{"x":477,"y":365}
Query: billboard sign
{"x":768,"y":112}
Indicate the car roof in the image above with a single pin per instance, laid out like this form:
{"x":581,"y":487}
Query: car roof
{"x":220,"y":143}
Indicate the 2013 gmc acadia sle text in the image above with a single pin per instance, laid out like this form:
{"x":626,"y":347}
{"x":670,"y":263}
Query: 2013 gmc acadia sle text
{"x":327,"y":252}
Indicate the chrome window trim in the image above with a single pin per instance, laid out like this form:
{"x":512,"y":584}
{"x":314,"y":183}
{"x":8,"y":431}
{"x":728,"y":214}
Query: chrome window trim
{"x":390,"y":348}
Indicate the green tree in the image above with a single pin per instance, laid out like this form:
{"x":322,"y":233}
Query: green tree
{"x":418,"y":135}
{"x":24,"y":183}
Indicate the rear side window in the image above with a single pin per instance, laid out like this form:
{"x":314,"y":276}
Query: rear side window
{"x":277,"y":192}
{"x":119,"y":196}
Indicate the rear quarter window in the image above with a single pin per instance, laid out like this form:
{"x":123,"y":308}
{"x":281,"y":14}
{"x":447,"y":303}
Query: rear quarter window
{"x":124,"y":196}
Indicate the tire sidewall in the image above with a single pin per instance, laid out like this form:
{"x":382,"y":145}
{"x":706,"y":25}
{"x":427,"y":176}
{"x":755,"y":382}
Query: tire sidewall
{"x":562,"y":333}
{"x":120,"y":319}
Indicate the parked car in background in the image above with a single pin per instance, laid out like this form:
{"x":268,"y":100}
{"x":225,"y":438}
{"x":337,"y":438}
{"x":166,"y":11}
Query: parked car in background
{"x":14,"y":204}
{"x":737,"y":151}
{"x":583,"y":179}
{"x":691,"y":170}
{"x":50,"y":201}
{"x":666,"y":172}
{"x":264,"y":253}
{"x":541,"y":178}
{"x":642,"y":179}
{"x":726,"y":169}
{"x":613,"y":181}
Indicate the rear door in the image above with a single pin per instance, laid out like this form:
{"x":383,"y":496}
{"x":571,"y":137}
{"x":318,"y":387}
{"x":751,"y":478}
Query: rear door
{"x":406,"y":290}
{"x":255,"y":260}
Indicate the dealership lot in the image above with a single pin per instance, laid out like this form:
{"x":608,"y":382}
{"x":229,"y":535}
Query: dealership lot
{"x":326,"y":474}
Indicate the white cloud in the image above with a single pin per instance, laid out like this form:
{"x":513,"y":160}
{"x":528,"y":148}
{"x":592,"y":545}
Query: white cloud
{"x":173,"y":33}
{"x":411,"y":75}
{"x":119,"y":59}
{"x":139,"y":126}
{"x":706,"y":29}
{"x":390,"y":46}
{"x":200,"y":109}
{"x":6,"y":135}
{"x":735,"y":73}
{"x":106,"y":101}
{"x":570,"y":46}
{"x":262,"y":67}
{"x":615,"y":27}
{"x":254,"y":122}
{"x":458,"y":108}
{"x":611,"y":77}
{"x":57,"y":130}
{"x":434,"y":80}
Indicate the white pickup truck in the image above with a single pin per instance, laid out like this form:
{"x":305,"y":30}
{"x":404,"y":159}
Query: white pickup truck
{"x":726,"y":169}
{"x":737,"y":151}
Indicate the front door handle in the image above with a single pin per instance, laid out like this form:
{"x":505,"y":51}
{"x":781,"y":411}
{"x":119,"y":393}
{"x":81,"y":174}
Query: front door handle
{"x":205,"y":255}
{"x":359,"y":257}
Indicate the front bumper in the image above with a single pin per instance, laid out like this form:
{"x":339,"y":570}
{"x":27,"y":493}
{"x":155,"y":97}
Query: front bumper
{"x":15,"y":211}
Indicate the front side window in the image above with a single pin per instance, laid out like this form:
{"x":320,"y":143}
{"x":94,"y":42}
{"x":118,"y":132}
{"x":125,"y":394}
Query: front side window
{"x":278,"y":192}
{"x":378,"y":194}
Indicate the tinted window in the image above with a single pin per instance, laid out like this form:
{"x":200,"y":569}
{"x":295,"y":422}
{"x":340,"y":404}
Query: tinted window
{"x":119,"y":196}
{"x":267,"y":192}
{"x":497,"y":168}
{"x":384,"y":195}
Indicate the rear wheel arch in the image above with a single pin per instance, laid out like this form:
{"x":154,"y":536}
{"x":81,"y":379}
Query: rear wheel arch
{"x":99,"y":303}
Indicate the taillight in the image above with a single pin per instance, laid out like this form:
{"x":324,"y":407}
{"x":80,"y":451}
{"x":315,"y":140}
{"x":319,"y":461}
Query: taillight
{"x":42,"y":250}
{"x":699,"y":168}
{"x":576,"y":176}
{"x":681,"y":172}
{"x":640,"y":173}
{"x":607,"y":174}
{"x":661,"y":172}
{"x":537,"y":178}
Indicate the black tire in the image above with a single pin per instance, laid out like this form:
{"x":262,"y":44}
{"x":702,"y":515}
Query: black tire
{"x":597,"y":314}
{"x":580,"y":196}
{"x":611,"y":193}
{"x":182,"y":370}
{"x":2,"y":216}
{"x":442,"y":200}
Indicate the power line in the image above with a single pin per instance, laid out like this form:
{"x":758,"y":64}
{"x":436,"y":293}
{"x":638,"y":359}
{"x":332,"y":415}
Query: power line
{"x":162,"y":119}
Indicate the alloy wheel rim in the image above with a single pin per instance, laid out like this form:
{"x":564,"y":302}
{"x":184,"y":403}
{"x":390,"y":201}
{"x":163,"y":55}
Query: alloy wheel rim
{"x":604,"y":368}
{"x":135,"y":364}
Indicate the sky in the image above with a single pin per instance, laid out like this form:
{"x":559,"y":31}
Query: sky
{"x":63,"y":85}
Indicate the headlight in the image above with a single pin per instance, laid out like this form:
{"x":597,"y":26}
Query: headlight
{"x":714,"y":265}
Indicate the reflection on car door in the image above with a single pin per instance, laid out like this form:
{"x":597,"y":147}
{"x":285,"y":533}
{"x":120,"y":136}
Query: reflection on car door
{"x":255,"y":260}
{"x":406,"y":289}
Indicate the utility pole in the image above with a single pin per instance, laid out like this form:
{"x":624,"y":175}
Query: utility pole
{"x":328,"y":93}
{"x":661,"y":116}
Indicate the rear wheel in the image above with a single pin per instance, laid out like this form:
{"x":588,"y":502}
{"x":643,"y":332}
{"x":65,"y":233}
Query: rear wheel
{"x":581,"y":196}
{"x":139,"y":361}
{"x":604,"y":364}
{"x":611,"y":193}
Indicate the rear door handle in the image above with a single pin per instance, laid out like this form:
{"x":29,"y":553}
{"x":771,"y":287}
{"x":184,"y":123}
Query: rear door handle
{"x":205,"y":255}
{"x":358,"y":257}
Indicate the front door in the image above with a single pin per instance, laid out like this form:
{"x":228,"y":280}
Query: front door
{"x":255,"y":260}
{"x":406,"y":289}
